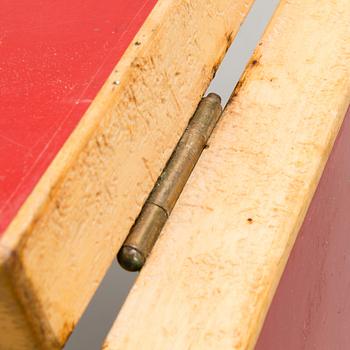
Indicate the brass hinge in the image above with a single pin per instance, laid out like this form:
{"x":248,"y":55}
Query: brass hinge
{"x":169,"y":185}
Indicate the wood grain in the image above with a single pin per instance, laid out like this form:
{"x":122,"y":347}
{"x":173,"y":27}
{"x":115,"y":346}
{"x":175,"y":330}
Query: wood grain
{"x":212,"y":274}
{"x":57,"y":249}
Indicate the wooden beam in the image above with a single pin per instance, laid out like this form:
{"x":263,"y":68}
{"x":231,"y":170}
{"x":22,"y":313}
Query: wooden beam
{"x":55,"y":252}
{"x":212,"y":274}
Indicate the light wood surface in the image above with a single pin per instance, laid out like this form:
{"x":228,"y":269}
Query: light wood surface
{"x":212,"y":274}
{"x":57,"y":249}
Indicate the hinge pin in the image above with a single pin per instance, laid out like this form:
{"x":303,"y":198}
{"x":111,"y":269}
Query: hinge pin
{"x":169,"y":185}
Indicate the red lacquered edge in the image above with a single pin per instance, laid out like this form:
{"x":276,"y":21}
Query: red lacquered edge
{"x":54,"y":58}
{"x":311,"y":308}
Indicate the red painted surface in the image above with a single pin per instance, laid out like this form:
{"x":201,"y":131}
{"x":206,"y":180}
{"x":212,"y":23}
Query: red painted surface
{"x":311,"y":308}
{"x":54,"y":57}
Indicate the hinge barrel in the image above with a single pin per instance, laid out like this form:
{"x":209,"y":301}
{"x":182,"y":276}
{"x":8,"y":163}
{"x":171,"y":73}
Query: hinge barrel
{"x":169,"y":185}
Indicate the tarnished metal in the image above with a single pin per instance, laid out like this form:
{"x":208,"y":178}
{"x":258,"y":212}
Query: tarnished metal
{"x":142,"y":237}
{"x":169,"y":185}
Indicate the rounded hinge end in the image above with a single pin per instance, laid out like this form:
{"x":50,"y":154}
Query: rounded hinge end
{"x":130,"y":258}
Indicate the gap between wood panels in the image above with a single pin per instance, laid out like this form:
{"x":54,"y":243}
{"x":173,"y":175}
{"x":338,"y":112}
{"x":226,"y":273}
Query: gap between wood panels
{"x":107,"y":301}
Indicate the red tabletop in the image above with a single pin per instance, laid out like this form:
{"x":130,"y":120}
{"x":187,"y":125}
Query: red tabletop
{"x":54,"y":57}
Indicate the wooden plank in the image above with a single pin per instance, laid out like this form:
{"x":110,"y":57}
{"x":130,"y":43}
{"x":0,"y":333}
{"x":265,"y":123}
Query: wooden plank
{"x":212,"y":274}
{"x":315,"y":284}
{"x":55,"y":251}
